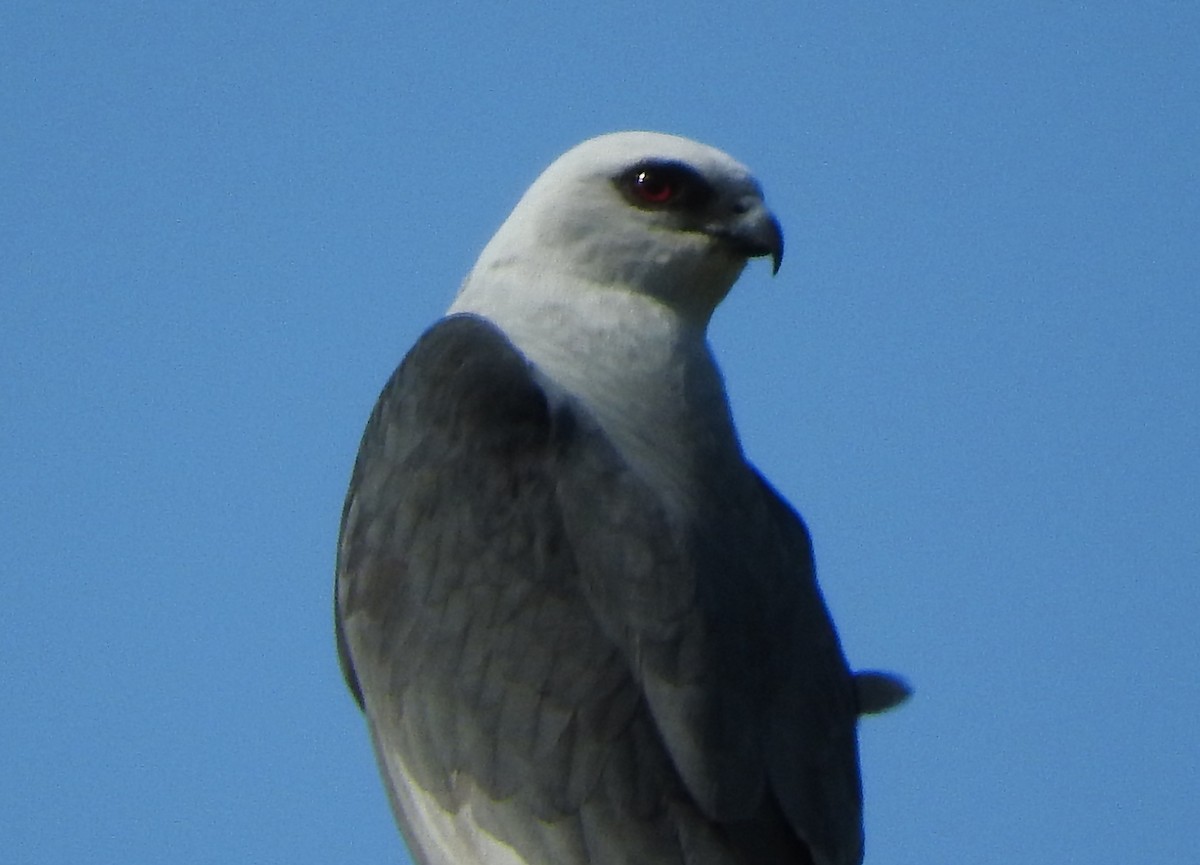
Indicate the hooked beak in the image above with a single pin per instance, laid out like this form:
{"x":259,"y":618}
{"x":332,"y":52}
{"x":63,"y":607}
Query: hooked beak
{"x":753,"y":233}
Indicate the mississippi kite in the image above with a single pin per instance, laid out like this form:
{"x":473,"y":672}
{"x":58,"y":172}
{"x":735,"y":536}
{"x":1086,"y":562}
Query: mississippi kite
{"x":582,"y":627}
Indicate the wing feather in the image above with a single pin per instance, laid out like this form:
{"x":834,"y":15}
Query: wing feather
{"x":550,"y":661}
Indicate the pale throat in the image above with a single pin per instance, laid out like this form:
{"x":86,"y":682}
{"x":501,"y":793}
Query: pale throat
{"x":646,"y":375}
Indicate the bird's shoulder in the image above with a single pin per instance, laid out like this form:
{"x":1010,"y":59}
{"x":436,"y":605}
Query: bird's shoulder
{"x":463,"y":382}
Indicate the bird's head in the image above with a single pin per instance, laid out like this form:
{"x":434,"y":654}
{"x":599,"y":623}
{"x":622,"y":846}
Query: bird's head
{"x":656,"y":214}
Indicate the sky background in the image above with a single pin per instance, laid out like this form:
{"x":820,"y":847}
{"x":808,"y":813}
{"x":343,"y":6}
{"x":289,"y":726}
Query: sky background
{"x":223,"y":224}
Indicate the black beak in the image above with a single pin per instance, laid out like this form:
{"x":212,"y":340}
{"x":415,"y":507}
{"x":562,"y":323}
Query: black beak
{"x":773,"y":242}
{"x":754,"y":233}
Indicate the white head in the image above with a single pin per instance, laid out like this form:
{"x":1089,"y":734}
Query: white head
{"x":605,"y":276}
{"x":655,"y":214}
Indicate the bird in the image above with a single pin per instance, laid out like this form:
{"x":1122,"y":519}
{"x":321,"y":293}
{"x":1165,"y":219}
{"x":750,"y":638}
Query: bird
{"x":582,"y":627}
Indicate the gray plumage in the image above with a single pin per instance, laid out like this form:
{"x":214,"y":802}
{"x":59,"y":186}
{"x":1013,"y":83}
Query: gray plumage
{"x":582,"y":627}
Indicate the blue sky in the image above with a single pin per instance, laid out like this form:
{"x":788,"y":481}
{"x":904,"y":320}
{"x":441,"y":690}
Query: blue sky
{"x":222,"y":225}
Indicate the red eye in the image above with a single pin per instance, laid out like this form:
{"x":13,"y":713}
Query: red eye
{"x":656,"y":184}
{"x":653,"y":188}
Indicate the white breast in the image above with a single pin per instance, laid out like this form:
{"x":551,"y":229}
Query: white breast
{"x":646,"y":375}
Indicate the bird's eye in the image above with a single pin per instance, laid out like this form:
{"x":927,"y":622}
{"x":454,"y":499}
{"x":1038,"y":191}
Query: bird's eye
{"x":656,"y":184}
{"x":653,"y":187}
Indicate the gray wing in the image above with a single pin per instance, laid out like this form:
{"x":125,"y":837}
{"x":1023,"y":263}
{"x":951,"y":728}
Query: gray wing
{"x":544,"y":653}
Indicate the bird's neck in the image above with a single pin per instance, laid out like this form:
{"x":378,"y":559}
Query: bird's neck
{"x":644,"y":372}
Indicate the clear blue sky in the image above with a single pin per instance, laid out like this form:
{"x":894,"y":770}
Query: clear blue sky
{"x":977,"y":375}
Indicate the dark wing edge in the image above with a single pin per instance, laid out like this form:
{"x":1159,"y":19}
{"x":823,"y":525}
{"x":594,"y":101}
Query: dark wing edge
{"x":814,"y":731}
{"x":368,"y":444}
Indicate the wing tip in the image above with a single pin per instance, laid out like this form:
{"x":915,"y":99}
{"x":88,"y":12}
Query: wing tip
{"x":878,"y":691}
